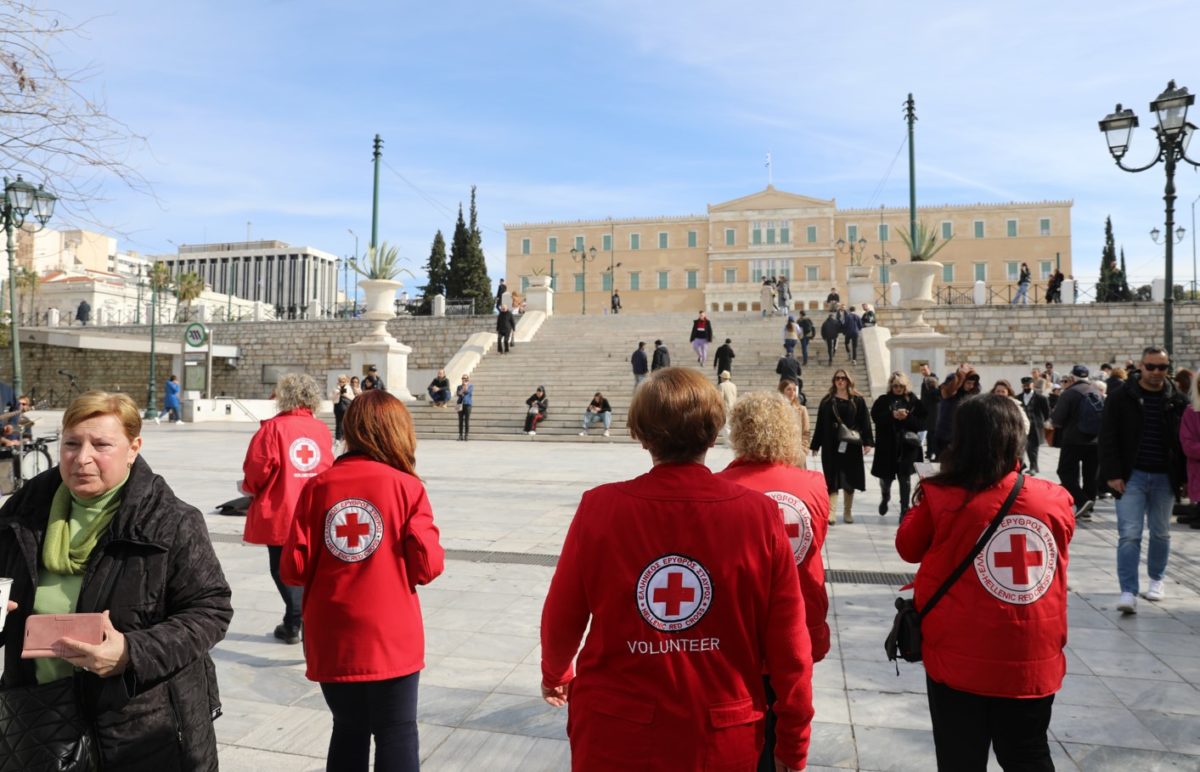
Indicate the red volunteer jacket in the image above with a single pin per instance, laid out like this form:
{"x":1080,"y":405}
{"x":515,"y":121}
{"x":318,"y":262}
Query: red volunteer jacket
{"x":286,"y":452}
{"x":804,"y":506}
{"x":363,"y":539}
{"x":690,"y":586}
{"x":1001,"y":628}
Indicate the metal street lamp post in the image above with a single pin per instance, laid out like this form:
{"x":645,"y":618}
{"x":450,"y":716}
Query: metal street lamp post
{"x":853,"y":248}
{"x":347,"y":263}
{"x":137,"y":311}
{"x":583,"y":257}
{"x":353,"y":263}
{"x":20,"y":198}
{"x":1173,"y":134}
{"x":1194,"y":287}
{"x":151,"y":410}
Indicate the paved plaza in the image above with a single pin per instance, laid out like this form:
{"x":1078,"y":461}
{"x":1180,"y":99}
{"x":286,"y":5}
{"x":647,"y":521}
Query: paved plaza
{"x":1130,"y":700}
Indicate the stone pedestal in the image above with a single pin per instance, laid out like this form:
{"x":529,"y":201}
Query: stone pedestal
{"x":862,"y":289}
{"x":917,"y":341}
{"x":1068,"y":291}
{"x":378,"y":347}
{"x":438,"y":305}
{"x":979,"y":293}
{"x":540,"y":296}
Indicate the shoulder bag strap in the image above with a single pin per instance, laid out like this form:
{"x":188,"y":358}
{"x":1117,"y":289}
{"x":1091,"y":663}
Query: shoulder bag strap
{"x":979,"y":545}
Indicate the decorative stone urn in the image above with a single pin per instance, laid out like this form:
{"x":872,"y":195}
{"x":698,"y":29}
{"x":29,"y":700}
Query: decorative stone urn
{"x":918,"y":342}
{"x":379,"y":349}
{"x":916,"y":288}
{"x":380,"y":303}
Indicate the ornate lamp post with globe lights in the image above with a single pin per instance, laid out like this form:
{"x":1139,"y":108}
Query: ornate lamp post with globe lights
{"x":20,"y":198}
{"x":583,"y":257}
{"x":1173,"y":134}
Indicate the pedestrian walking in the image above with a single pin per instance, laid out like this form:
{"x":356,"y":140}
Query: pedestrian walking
{"x":788,"y":367}
{"x":505,"y":326}
{"x":1023,"y":280}
{"x":464,"y":397}
{"x":1143,"y":464}
{"x":897,"y":416}
{"x":964,"y":383}
{"x":794,"y":397}
{"x":791,"y":334}
{"x":931,"y":395}
{"x":830,"y":329}
{"x":1077,"y":420}
{"x":171,"y":407}
{"x":843,"y":436}
{"x":868,"y":317}
{"x":702,"y":335}
{"x":637,"y":361}
{"x":1037,"y":409}
{"x":661,"y":357}
{"x":807,"y":333}
{"x":500,"y":292}
{"x":729,"y":394}
{"x":1189,"y":441}
{"x":723,"y":359}
{"x":615,"y":302}
{"x":851,"y":328}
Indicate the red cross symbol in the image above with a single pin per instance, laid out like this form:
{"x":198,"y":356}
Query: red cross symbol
{"x":352,"y":530}
{"x":305,"y":454}
{"x":674,"y":593}
{"x":792,"y":530}
{"x":1018,"y":559}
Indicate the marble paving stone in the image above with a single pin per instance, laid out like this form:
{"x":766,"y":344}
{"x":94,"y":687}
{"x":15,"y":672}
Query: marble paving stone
{"x":431,"y":737}
{"x":832,"y":745}
{"x":523,"y":680}
{"x":443,"y":706}
{"x":1100,"y":758}
{"x":470,"y":620}
{"x":239,"y":759}
{"x":1125,"y":664}
{"x":895,"y":750}
{"x":882,"y":677}
{"x":828,"y":674}
{"x":1106,"y":640}
{"x":517,"y":714}
{"x":487,"y":645}
{"x":1101,"y":725}
{"x":1187,"y":667}
{"x":1085,"y":690}
{"x":1159,"y":643}
{"x":1139,"y":695}
{"x":1179,"y":733}
{"x":279,"y":685}
{"x":463,"y":673}
{"x":293,"y":730}
{"x":893,"y":711}
{"x":241,"y":717}
{"x":470,"y":749}
{"x":830,"y":706}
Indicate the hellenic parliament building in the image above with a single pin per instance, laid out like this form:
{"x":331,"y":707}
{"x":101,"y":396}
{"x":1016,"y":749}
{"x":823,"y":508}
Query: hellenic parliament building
{"x":717,"y":261}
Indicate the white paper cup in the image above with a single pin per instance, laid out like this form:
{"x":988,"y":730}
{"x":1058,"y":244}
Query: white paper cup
{"x":5,"y":591}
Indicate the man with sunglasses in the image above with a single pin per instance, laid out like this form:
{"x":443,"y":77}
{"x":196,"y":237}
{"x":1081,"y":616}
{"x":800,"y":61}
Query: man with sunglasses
{"x":1143,"y":464}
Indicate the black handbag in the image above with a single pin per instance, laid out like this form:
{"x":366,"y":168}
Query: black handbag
{"x":43,"y":727}
{"x":904,"y":640}
{"x":845,"y":433}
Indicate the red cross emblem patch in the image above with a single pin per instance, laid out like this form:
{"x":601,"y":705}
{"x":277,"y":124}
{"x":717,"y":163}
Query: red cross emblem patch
{"x":353,"y":530}
{"x":673,"y":593}
{"x":797,"y":521}
{"x":304,"y":454}
{"x":1018,"y":563}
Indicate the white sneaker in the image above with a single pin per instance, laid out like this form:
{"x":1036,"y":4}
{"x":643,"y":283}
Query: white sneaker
{"x":157,"y":420}
{"x":606,"y":434}
{"x":583,"y":433}
{"x":1155,"y":592}
{"x":181,"y":421}
{"x":532,"y":433}
{"x":1127,"y":604}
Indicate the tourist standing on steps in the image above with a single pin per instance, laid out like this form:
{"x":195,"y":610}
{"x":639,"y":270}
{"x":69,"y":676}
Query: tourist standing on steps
{"x":1143,"y":464}
{"x":830,"y":329}
{"x":1076,"y":419}
{"x":341,"y":400}
{"x":639,"y":363}
{"x":783,"y":293}
{"x":766,"y":297}
{"x":791,"y":334}
{"x":653,"y":565}
{"x":464,"y":397}
{"x":1025,"y":277}
{"x":702,"y":335}
{"x":364,"y":530}
{"x":851,"y":328}
{"x":535,"y":409}
{"x":769,"y":459}
{"x":505,"y":325}
{"x":807,"y":333}
{"x":832,"y":300}
{"x":1037,"y":408}
{"x":993,"y":646}
{"x":843,"y":436}
{"x":788,"y":367}
{"x":661,"y":358}
{"x":1189,"y":441}
{"x":170,"y":401}
{"x":868,"y":315}
{"x":897,"y":416}
{"x":597,"y":411}
{"x":615,"y":302}
{"x":723,"y":359}
{"x":286,"y":452}
{"x":503,"y":288}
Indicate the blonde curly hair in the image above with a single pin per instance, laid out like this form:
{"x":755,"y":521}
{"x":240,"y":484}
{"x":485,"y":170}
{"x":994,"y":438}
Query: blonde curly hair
{"x":763,"y":429}
{"x":297,"y":390}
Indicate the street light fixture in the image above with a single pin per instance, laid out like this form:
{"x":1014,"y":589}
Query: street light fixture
{"x":583,"y":257}
{"x":1156,"y":234}
{"x":852,"y":248}
{"x":346,"y":264}
{"x":1174,"y":134}
{"x":353,"y":264}
{"x":20,"y":198}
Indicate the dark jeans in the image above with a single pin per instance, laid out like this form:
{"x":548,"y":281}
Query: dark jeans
{"x":789,"y":345}
{"x":501,"y":342}
{"x":386,"y":710}
{"x":831,"y":344}
{"x":852,"y":347}
{"x":1070,"y":459}
{"x":1031,"y":449}
{"x":439,"y":395}
{"x":965,"y":724}
{"x":464,"y":422}
{"x":292,"y":596}
{"x":885,"y":486}
{"x":804,"y":350}
{"x":531,"y":421}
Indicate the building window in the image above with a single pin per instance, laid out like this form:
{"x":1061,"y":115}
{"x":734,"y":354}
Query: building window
{"x":756,"y":234}
{"x":770,"y":235}
{"x":1044,"y":226}
{"x":812,"y":273}
{"x":579,"y":282}
{"x":691,"y":238}
{"x":883,"y":231}
{"x":552,"y":245}
{"x":662,"y":240}
{"x":948,"y":272}
{"x":579,"y":243}
{"x":524,"y":284}
{"x":947,"y":230}
{"x":606,"y":242}
{"x":812,"y":234}
{"x":635,"y":280}
{"x":730,"y":275}
{"x":769,"y":268}
{"x":785,"y":234}
{"x":1045,"y":268}
{"x":525,"y":246}
{"x":693,"y":278}
{"x":662,"y":279}
{"x":1013,"y":269}
{"x":981,"y":272}
{"x":852,"y":233}
{"x":635,"y":241}
{"x":1012,"y":229}
{"x":606,"y":281}
{"x":979,"y":229}
{"x":729,"y":237}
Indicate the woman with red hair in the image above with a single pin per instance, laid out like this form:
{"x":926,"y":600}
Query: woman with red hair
{"x":364,"y":530}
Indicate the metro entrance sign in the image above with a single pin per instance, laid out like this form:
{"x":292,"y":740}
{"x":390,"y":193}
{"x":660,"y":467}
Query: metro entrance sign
{"x":197,"y":359}
{"x":195,"y":335}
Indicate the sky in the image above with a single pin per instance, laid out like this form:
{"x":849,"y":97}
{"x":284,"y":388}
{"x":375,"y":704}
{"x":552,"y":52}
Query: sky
{"x":258,"y":117}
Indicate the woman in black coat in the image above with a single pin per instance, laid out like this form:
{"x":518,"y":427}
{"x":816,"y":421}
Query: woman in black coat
{"x":841,"y":460}
{"x":141,"y":556}
{"x":895,"y":414}
{"x":536,"y":407}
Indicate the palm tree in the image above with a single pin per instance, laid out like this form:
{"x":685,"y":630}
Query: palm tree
{"x":27,"y":280}
{"x":160,"y":281}
{"x":925,"y":245}
{"x":187,"y":288}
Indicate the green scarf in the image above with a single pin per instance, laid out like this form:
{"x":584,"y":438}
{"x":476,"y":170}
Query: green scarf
{"x":65,"y":552}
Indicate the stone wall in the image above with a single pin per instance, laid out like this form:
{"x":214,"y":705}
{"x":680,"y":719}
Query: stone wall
{"x":315,"y":347}
{"x":1064,"y":334}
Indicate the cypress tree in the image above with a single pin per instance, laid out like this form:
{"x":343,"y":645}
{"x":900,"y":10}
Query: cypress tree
{"x":1106,"y":288}
{"x":479,"y":285}
{"x":457,"y":279}
{"x":438,"y":272}
{"x":1124,"y":294}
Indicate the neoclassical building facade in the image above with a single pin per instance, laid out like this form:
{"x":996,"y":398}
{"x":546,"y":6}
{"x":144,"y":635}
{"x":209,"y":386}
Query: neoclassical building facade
{"x":717,"y":260}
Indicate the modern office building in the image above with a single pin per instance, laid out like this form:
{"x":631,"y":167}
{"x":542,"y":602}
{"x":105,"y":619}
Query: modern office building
{"x":717,"y":260}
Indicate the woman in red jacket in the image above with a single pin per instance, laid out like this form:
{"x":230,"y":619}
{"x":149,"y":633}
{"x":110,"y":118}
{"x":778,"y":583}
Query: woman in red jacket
{"x":767,"y":441}
{"x":286,"y":452}
{"x":993,"y":645}
{"x":362,"y":541}
{"x":689,"y":584}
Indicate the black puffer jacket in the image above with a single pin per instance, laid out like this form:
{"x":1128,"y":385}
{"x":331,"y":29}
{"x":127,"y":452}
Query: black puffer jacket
{"x":168,"y":596}
{"x":1121,"y":431}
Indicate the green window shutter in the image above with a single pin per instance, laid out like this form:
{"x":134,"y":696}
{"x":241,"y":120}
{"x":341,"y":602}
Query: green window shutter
{"x":756,"y":236}
{"x":729,"y":237}
{"x":635,"y":280}
{"x":1012,"y":229}
{"x":785,"y":235}
{"x":579,"y":243}
{"x":635,"y":241}
{"x":662,"y":279}
{"x":981,"y":272}
{"x":883,"y":231}
{"x":730,"y":275}
{"x":524,"y":284}
{"x":948,"y":272}
{"x":883,"y":274}
{"x":579,"y":282}
{"x":770,"y":235}
{"x":1044,"y":226}
{"x":552,"y":245}
{"x":692,"y":279}
{"x":606,"y":281}
{"x":979,"y":229}
{"x":852,"y":233}
{"x":812,"y":234}
{"x":691,"y":238}
{"x":525,"y":246}
{"x":662,"y":241}
{"x":606,"y":242}
{"x":947,"y":230}
{"x":812,"y":273}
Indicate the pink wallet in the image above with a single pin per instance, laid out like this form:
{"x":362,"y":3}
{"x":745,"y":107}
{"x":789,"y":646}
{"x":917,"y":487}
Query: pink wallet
{"x":42,"y":630}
